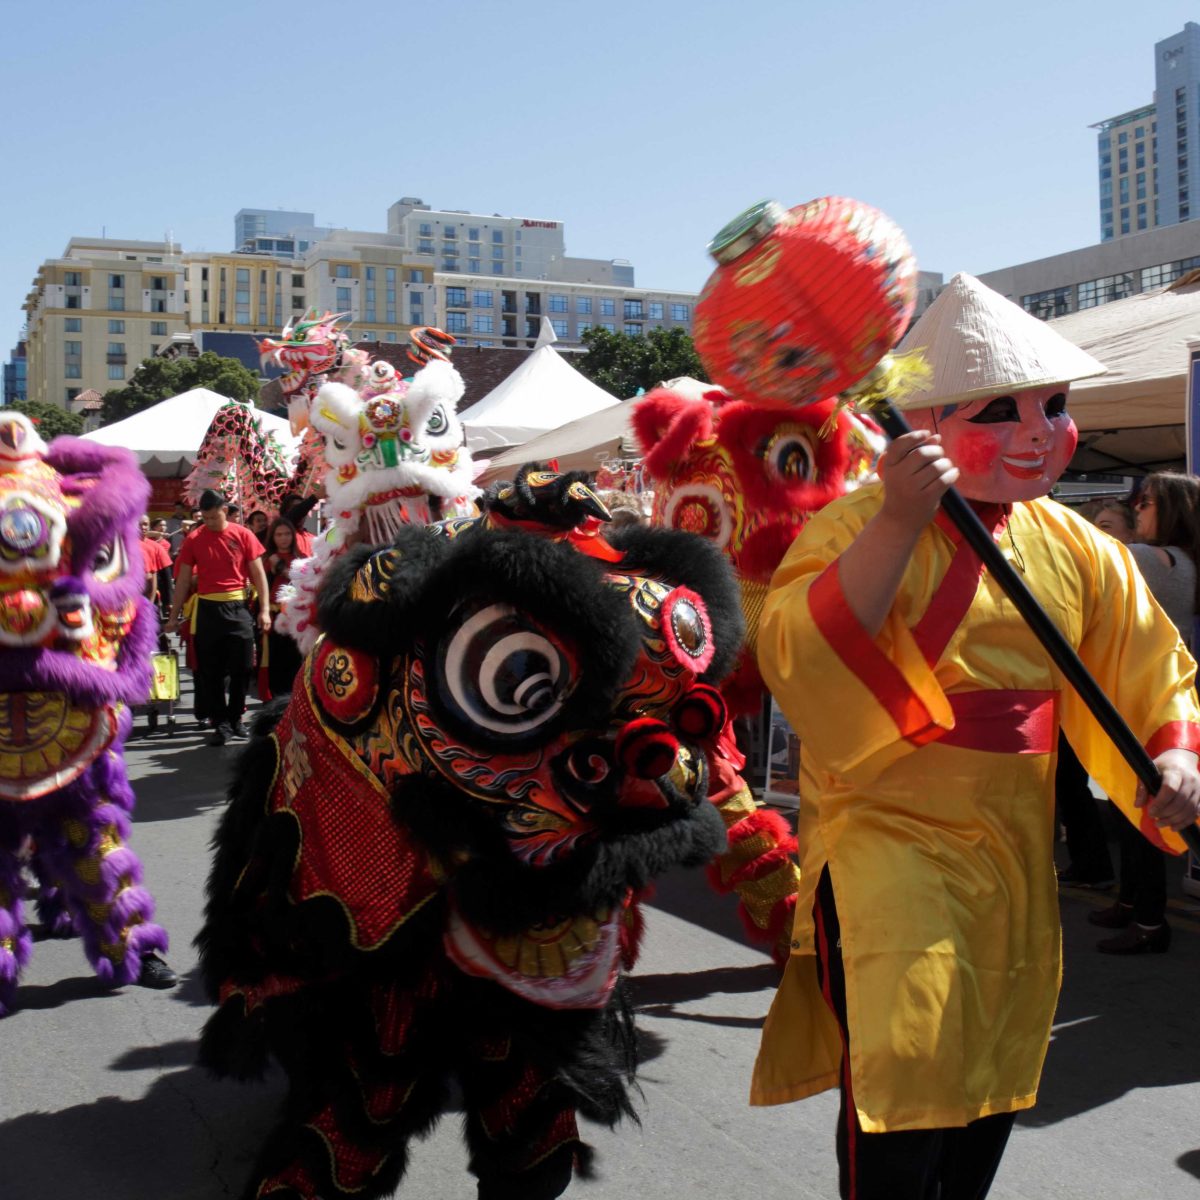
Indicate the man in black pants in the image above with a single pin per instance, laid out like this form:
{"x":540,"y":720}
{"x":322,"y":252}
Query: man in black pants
{"x":222,"y":558}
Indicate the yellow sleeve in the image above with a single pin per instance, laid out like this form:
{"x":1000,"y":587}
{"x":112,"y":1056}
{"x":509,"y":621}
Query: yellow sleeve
{"x":1133,"y":651}
{"x":858,"y":703}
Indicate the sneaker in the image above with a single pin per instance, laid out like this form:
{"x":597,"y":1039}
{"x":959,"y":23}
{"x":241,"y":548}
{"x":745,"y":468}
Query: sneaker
{"x":1073,"y":877}
{"x":155,"y":973}
{"x":240,"y":730}
{"x":220,"y":735}
{"x":1115,"y":916}
{"x":1138,"y":939}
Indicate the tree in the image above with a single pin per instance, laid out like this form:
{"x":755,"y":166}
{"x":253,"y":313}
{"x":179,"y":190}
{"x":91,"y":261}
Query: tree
{"x":621,"y":363}
{"x":160,"y":378}
{"x":49,"y":419}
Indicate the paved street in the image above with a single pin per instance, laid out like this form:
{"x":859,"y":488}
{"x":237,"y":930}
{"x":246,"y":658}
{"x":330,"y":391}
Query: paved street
{"x":99,"y":1097}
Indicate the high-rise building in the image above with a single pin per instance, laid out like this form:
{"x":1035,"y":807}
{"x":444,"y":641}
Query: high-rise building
{"x":274,"y":231}
{"x":1149,"y":157}
{"x":97,"y":311}
{"x":16,"y":375}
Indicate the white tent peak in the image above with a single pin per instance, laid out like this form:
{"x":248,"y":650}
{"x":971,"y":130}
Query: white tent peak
{"x":543,"y":393}
{"x":166,"y":436}
{"x":546,"y":335}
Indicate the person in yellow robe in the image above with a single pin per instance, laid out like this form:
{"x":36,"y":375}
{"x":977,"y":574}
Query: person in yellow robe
{"x":925,"y":961}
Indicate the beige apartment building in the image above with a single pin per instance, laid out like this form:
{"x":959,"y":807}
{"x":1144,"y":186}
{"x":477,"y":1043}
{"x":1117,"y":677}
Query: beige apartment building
{"x":97,"y":311}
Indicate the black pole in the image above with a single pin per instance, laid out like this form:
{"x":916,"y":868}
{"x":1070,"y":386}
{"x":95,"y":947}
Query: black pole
{"x":1044,"y":629}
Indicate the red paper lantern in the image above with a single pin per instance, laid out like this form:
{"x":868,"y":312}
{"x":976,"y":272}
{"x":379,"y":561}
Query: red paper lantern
{"x":804,"y":302}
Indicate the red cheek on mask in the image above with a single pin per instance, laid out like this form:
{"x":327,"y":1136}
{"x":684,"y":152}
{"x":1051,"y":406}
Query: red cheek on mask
{"x":1070,"y":439}
{"x":975,"y":452}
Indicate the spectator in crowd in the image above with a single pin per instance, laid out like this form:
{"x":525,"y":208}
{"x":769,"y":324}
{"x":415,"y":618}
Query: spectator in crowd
{"x":233,"y":513}
{"x":1166,"y":550}
{"x":279,"y":658}
{"x":257,"y":523}
{"x":220,"y":559}
{"x":296,"y":511}
{"x":177,"y":526}
{"x":1115,"y":517}
{"x":156,"y":557}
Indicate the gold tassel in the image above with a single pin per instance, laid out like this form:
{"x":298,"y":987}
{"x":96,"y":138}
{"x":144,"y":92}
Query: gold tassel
{"x":896,"y":376}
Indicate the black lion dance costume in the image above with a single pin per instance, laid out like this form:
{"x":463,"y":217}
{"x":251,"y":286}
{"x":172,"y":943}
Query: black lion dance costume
{"x":429,"y":867}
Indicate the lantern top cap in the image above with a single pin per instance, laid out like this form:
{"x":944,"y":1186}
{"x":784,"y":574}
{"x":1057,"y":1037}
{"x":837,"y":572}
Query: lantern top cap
{"x":746,"y":230}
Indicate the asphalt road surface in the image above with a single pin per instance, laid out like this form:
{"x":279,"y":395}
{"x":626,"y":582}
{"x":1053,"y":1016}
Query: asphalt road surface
{"x":100,"y":1098}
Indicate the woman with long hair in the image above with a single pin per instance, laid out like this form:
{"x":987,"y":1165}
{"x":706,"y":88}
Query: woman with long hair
{"x":1166,"y":549}
{"x":279,"y":656}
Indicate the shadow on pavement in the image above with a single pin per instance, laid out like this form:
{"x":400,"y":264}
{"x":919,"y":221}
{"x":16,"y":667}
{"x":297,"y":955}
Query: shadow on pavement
{"x":1123,"y":1023}
{"x":189,"y":1137}
{"x":63,"y":991}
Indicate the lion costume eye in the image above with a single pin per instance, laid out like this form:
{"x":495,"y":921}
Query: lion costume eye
{"x":438,"y":422}
{"x":504,"y":673}
{"x":109,"y":562}
{"x":789,"y":455}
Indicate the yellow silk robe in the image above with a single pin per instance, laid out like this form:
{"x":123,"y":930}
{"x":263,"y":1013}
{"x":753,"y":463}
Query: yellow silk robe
{"x":940,"y":854}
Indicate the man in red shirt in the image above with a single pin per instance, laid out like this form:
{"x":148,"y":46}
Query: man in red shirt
{"x":157,"y":558}
{"x":221,"y":558}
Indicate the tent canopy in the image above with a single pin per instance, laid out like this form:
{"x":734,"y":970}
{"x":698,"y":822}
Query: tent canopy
{"x":585,"y":444}
{"x":543,"y":393}
{"x":166,"y":437}
{"x":1133,"y":416}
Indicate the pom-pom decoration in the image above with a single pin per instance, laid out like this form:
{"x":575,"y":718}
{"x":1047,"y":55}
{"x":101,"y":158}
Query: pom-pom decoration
{"x":804,"y":303}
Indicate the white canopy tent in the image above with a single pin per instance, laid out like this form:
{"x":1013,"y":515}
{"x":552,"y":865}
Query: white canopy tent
{"x":166,"y":437}
{"x":585,"y":444}
{"x":1133,"y":416}
{"x":543,"y":393}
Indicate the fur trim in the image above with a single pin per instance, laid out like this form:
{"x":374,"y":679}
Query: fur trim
{"x":667,"y":426}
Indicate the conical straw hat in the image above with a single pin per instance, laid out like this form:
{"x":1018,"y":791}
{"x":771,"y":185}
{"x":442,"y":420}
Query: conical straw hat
{"x":976,"y":343}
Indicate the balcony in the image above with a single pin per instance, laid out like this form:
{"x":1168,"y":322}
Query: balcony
{"x":116,"y":359}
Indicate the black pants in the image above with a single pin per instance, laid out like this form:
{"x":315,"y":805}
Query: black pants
{"x":917,"y":1164}
{"x":1087,"y":845}
{"x":1143,"y":879}
{"x":224,"y":651}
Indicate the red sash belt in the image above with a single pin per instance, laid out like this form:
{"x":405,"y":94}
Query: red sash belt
{"x":1004,"y":722}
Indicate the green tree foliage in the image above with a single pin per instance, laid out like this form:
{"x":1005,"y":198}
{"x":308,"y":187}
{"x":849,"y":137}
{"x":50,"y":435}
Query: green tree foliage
{"x":160,"y":378}
{"x":621,"y":363}
{"x":49,"y":419}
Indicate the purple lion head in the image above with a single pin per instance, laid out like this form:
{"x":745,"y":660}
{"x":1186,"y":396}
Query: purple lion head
{"x":75,"y":629}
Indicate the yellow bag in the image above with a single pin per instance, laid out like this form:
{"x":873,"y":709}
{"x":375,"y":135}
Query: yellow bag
{"x":165,"y":684}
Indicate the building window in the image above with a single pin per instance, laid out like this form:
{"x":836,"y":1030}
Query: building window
{"x":531,"y":327}
{"x":71,"y":394}
{"x":608,"y":308}
{"x":115,"y":303}
{"x":656,"y":310}
{"x":343,"y":299}
{"x":583,"y":304}
{"x":158,"y":306}
{"x":497,"y":268}
{"x":116,"y":370}
{"x":297,"y":302}
{"x":158,"y":283}
{"x":481,"y":298}
{"x":424,"y":246}
{"x":417,"y":299}
{"x":116,"y":282}
{"x":1122,"y":138}
{"x":158,"y":329}
{"x":391,"y":336}
{"x":559,"y":325}
{"x":497,"y":251}
{"x":1160,"y":276}
{"x":242,"y":316}
{"x":581,"y":327}
{"x":425,"y":229}
{"x":456,"y":322}
{"x":116,"y":349}
{"x":448,"y":264}
{"x":450,"y":233}
{"x":368,"y":335}
{"x":608,"y":326}
{"x":456,"y":297}
{"x":1103,"y":291}
{"x":633,"y":308}
{"x":484,"y":323}
{"x":533,"y":303}
{"x":72,"y":324}
{"x":413,"y":276}
{"x":556,"y":303}
{"x":73,"y":278}
{"x":297,"y":281}
{"x":633,"y":328}
{"x":370,"y":274}
{"x":497,"y":237}
{"x":243,"y":275}
{"x":1044,"y":305}
{"x":341,"y":271}
{"x":679,"y":312}
{"x":72,"y":371}
{"x":72,"y":349}
{"x":473,"y":265}
{"x":73,"y":302}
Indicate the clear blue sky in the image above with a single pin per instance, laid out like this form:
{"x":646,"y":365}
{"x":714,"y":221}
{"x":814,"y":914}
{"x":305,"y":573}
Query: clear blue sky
{"x":643,"y":126}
